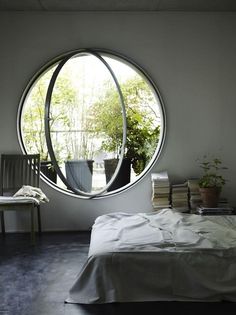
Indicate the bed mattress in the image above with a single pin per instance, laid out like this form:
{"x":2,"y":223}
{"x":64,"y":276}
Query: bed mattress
{"x":159,"y":256}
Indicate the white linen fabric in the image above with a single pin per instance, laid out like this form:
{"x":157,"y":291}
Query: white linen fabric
{"x":26,"y":194}
{"x":157,"y":256}
{"x":30,"y":191}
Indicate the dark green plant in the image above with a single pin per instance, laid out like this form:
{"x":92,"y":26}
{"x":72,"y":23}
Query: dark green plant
{"x":211,"y":173}
{"x":142,"y":132}
{"x":33,"y":115}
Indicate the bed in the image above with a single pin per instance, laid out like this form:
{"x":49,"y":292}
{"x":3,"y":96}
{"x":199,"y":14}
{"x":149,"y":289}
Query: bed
{"x":159,"y":256}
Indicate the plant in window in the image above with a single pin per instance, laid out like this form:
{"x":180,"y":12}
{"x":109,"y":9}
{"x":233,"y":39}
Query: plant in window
{"x":33,"y":127}
{"x":79,"y":147}
{"x":143,"y":129}
{"x":72,"y":112}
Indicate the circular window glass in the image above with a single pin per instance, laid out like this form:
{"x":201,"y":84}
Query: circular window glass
{"x":95,"y":118}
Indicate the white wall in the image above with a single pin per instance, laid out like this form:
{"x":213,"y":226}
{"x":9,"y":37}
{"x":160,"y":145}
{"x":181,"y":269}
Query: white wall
{"x":190,"y":56}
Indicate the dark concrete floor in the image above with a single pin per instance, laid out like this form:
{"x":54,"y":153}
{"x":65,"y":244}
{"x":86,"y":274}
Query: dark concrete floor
{"x":34,"y":280}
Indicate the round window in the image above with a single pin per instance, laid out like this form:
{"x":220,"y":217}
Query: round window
{"x":95,"y":118}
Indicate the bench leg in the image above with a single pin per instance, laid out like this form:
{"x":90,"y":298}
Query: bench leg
{"x":39,"y":219}
{"x":32,"y":226}
{"x":2,"y":222}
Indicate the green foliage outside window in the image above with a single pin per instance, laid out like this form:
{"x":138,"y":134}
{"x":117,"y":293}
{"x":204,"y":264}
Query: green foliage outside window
{"x":102,"y":118}
{"x":143,"y":131}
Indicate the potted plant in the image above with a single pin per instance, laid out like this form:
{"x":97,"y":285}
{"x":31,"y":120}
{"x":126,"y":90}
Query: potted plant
{"x":140,"y":145}
{"x":79,"y":162}
{"x":211,"y":182}
{"x":142,"y":129}
{"x":79,"y":174}
{"x":123,"y":177}
{"x":48,"y":170}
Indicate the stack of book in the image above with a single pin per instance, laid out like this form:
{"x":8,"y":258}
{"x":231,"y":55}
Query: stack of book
{"x":179,"y":196}
{"x":160,"y":191}
{"x":223,"y":203}
{"x":215,"y":211}
{"x":194,"y":194}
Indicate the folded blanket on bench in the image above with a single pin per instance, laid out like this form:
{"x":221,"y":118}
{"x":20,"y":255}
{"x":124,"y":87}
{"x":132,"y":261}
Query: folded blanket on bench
{"x":30,"y":191}
{"x":26,"y":194}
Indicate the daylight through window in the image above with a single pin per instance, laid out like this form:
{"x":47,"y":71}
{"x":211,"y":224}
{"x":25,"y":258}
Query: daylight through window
{"x":95,"y":118}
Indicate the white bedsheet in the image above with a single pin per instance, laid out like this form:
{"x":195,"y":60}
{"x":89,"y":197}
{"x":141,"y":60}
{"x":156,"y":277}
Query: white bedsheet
{"x":159,"y":256}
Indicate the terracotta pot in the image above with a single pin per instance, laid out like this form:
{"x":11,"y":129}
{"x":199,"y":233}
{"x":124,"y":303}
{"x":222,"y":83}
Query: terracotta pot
{"x":210,"y":196}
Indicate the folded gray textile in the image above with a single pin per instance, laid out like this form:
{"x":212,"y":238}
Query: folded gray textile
{"x":30,"y":191}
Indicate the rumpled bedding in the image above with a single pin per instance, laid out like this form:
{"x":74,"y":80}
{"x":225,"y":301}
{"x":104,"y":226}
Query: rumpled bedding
{"x":161,"y":256}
